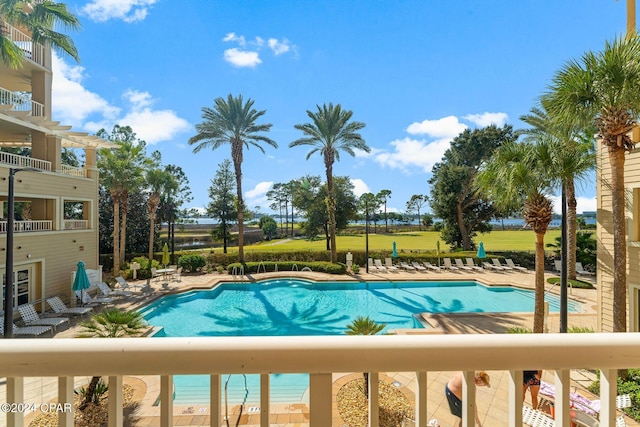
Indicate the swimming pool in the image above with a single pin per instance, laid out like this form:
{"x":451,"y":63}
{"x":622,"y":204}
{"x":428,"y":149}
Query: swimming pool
{"x":300,"y":307}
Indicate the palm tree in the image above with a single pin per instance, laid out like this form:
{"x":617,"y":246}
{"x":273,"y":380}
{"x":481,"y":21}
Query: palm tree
{"x":515,"y":177}
{"x":110,"y":323}
{"x":39,"y":18}
{"x":329,"y":133}
{"x":232,"y":121}
{"x":575,"y":159}
{"x":160,"y":182}
{"x":601,"y":90}
{"x":364,"y":325}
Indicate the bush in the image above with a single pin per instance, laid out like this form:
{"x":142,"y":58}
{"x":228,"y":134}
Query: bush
{"x":629,"y":385}
{"x":322,"y":266}
{"x":191,"y":263}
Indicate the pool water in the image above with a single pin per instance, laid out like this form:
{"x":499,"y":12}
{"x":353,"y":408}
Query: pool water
{"x":299,"y":307}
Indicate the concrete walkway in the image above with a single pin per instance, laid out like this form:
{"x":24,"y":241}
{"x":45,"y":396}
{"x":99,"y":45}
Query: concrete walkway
{"x":492,"y":402}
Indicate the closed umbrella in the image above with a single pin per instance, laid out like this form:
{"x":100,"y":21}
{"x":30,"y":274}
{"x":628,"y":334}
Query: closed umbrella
{"x":165,"y":255}
{"x":394,"y":252}
{"x":481,"y":254}
{"x":81,"y":281}
{"x":438,"y":251}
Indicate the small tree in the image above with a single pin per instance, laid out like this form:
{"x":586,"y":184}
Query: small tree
{"x":365,"y":326}
{"x":111,"y":323}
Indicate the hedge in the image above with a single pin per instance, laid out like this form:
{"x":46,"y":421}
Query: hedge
{"x":269,"y":266}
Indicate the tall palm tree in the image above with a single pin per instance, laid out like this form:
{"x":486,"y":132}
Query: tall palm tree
{"x":160,"y":182}
{"x":364,"y":325}
{"x":515,"y":178}
{"x":39,"y":18}
{"x":575,"y":158}
{"x":329,"y":133}
{"x":110,"y":323}
{"x":601,"y":89}
{"x":232,"y":121}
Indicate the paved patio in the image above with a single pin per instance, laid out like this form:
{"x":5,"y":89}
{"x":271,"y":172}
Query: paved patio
{"x":492,"y":402}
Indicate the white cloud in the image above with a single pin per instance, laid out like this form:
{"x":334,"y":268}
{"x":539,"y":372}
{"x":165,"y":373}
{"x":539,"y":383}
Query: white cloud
{"x":74,"y":105}
{"x":257,"y":196}
{"x":446,"y":127}
{"x":126,"y":10}
{"x":413,"y":153}
{"x":359,"y":187}
{"x":241,"y":58}
{"x":231,"y":37}
{"x":584,"y":204}
{"x":279,"y":47}
{"x":487,"y":119}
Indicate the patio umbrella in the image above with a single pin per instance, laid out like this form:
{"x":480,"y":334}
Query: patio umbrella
{"x":481,"y":254}
{"x":165,"y":255}
{"x":394,"y":252}
{"x":81,"y":281}
{"x":438,"y":251}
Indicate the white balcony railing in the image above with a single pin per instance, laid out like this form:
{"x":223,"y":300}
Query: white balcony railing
{"x":73,"y":171}
{"x":19,"y":101}
{"x":76,"y":224}
{"x":31,"y":50}
{"x":27,"y":226}
{"x":321,"y":357}
{"x":24,"y":161}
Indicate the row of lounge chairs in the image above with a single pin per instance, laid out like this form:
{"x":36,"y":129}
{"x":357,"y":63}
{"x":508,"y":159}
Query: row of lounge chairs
{"x":579,"y":268}
{"x":375,"y":265}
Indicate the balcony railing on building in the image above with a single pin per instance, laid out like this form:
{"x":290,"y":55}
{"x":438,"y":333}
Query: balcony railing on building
{"x":76,"y":224}
{"x":32,"y":51}
{"x":21,"y":102}
{"x":17,"y":161}
{"x":321,"y":357}
{"x":27,"y":226}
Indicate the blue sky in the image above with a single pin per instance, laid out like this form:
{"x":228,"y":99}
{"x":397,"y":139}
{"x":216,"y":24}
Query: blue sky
{"x":416,"y":72}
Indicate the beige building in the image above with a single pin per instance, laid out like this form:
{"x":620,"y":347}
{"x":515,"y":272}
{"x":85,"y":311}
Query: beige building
{"x":605,"y":238}
{"x":47,"y":242}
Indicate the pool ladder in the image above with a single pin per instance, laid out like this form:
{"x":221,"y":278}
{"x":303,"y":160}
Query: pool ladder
{"x":237,"y":271}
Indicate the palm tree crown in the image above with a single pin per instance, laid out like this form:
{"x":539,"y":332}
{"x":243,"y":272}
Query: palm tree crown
{"x":232,"y":121}
{"x":329,"y":133}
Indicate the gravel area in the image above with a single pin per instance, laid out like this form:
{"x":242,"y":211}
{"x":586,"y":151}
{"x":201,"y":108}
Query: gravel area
{"x":93,"y":416}
{"x":353,"y":406}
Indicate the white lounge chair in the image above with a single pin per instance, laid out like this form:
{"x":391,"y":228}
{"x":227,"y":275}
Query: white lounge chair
{"x":106,"y":291}
{"x":418,"y":266}
{"x":372,"y":267}
{"x":86,"y":299}
{"x":33,"y":331}
{"x":461,"y":265}
{"x":389,"y":264}
{"x":124,"y":285}
{"x":30,"y":317}
{"x":489,"y":266}
{"x":557,"y":266}
{"x":381,"y":268}
{"x":511,"y":264}
{"x":580,"y":402}
{"x":60,"y":307}
{"x":580,"y":270}
{"x":497,"y":263}
{"x":448,"y":265}
{"x":177,"y":275}
{"x":535,"y":418}
{"x":473,"y":265}
{"x":431,"y":266}
{"x":406,"y":266}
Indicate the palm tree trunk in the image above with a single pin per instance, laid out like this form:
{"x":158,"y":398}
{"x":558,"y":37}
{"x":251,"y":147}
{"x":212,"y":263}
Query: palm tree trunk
{"x":154,"y":201}
{"x":538,"y":314}
{"x":331,"y":208}
{"x":572,"y":226}
{"x":237,"y":165}
{"x":616,"y":159}
{"x":116,"y":232}
{"x":123,"y":224}
{"x":91,"y":390}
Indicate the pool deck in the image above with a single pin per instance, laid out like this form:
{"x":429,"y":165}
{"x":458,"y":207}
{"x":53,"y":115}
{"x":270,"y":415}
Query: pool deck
{"x":492,"y":402}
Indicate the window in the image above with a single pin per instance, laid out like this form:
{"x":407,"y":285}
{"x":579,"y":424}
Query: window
{"x":21,"y":286}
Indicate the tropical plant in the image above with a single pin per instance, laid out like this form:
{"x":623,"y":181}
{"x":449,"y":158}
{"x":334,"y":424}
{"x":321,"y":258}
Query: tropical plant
{"x":39,"y":18}
{"x":364,"y":325}
{"x":329,"y":133}
{"x":515,"y":178}
{"x":586,"y":248}
{"x":601,"y":89}
{"x":110,"y":323}
{"x":160,"y":182}
{"x":232,"y":121}
{"x":575,"y":159}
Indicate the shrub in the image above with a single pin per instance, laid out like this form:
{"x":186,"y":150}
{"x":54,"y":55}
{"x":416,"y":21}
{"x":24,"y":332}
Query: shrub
{"x":264,"y":266}
{"x":629,"y":385}
{"x":191,"y":263}
{"x":355,"y":268}
{"x":519,"y":330}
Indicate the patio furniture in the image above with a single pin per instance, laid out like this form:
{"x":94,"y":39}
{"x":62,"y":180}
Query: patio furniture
{"x":60,"y":307}
{"x":473,"y":265}
{"x":30,"y":317}
{"x":379,"y":266}
{"x":448,"y":265}
{"x":497,"y":263}
{"x":431,"y":266}
{"x":86,"y":299}
{"x":514,"y":266}
{"x":418,"y":266}
{"x":389,"y":264}
{"x":106,"y":291}
{"x":372,"y":267}
{"x":406,"y":266}
{"x":34,"y":331}
{"x":489,"y":266}
{"x":461,"y":265}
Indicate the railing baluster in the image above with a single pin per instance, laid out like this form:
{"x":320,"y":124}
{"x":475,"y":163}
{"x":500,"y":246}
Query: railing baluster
{"x":166,"y":401}
{"x":65,"y":397}
{"x":561,"y":403}
{"x":115,"y":401}
{"x":421,"y":399}
{"x":214,"y":400}
{"x":15,"y":394}
{"x":608,"y":392}
{"x":516,"y":379}
{"x":265,"y":392}
{"x":469,"y":398}
{"x":320,"y":400}
{"x":374,"y":408}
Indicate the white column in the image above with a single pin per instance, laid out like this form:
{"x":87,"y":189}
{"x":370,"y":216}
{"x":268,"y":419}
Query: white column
{"x":515,"y":398}
{"x":265,"y":392}
{"x":374,"y":414}
{"x":421,"y":399}
{"x":320,"y":407}
{"x":166,"y":401}
{"x":115,"y":403}
{"x":563,"y":387}
{"x":469,"y":399}
{"x":608,"y":392}
{"x":15,"y":394}
{"x":65,"y":397}
{"x":214,"y":400}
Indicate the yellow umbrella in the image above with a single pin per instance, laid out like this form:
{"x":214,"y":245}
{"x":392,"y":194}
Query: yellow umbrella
{"x":165,"y":255}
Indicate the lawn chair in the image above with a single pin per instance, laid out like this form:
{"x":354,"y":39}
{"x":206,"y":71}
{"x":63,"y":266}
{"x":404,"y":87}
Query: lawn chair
{"x":580,"y":270}
{"x":389,"y":264}
{"x":60,"y":307}
{"x":106,"y":291}
{"x":381,"y":268}
{"x":557,"y":266}
{"x":461,"y":265}
{"x":473,"y":265}
{"x":33,"y":331}
{"x":418,"y":267}
{"x":30,"y":317}
{"x":406,"y":266}
{"x":497,"y":263}
{"x":372,"y":267}
{"x":511,"y":264}
{"x":448,"y":265}
{"x":86,"y":299}
{"x":535,"y":418}
{"x":124,"y":285}
{"x":489,"y":266}
{"x":431,"y":266}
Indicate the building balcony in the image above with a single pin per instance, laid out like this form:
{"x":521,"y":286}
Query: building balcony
{"x":321,"y":357}
{"x":20,"y":104}
{"x":32,"y":51}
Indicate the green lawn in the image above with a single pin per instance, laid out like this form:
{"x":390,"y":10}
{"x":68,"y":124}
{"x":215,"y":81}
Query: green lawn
{"x":517,"y":240}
